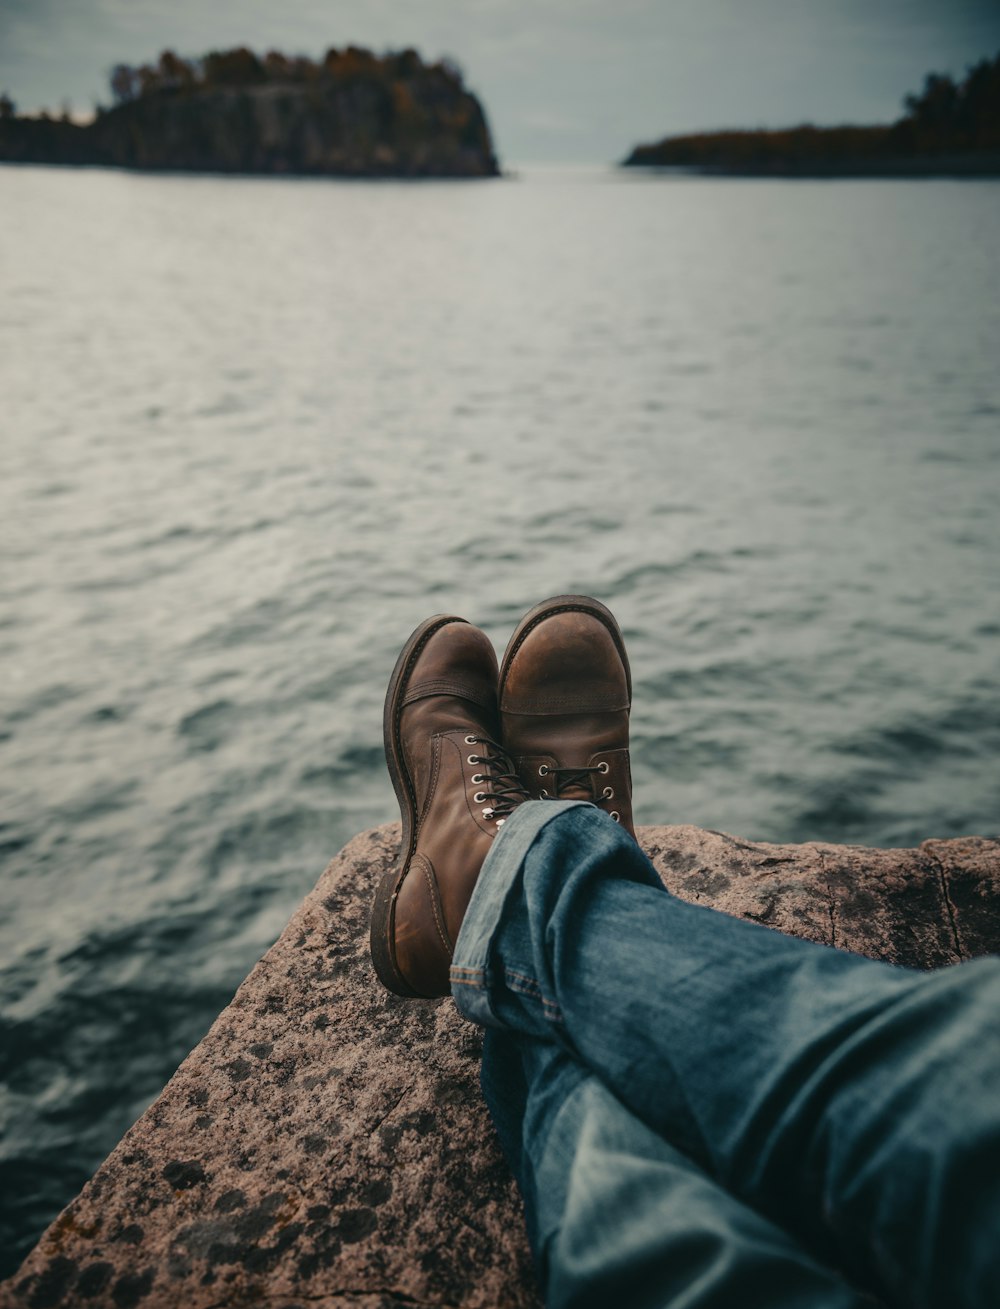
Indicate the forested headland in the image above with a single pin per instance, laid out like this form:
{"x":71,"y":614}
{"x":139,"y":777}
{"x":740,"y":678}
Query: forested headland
{"x":352,"y":113}
{"x":948,"y":128}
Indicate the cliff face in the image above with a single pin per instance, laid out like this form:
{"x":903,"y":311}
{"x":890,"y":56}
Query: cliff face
{"x":326,"y":1143}
{"x":353,"y":115}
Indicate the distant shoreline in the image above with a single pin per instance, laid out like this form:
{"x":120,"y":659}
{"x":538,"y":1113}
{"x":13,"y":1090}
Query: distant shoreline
{"x":804,"y":153}
{"x":953,"y":168}
{"x":949,"y":130}
{"x":501,"y":174}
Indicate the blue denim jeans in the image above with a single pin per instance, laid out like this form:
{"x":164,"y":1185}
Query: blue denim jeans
{"x":703,"y":1112}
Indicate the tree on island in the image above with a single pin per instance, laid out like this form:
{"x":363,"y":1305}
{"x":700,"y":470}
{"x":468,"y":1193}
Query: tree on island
{"x":241,"y":67}
{"x":8,"y":109}
{"x":965,"y":113}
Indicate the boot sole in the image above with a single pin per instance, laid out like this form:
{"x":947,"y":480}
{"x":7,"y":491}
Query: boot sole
{"x":563,"y":604}
{"x":382,"y":934}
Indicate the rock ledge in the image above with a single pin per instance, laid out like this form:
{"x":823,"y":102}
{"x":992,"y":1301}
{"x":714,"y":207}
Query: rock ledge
{"x":326,"y":1144}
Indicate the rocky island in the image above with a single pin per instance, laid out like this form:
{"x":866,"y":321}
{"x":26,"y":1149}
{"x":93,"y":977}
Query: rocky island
{"x":949,"y":129}
{"x":351,"y":114}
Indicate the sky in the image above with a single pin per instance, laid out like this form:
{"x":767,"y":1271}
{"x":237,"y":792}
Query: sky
{"x":573,"y":81}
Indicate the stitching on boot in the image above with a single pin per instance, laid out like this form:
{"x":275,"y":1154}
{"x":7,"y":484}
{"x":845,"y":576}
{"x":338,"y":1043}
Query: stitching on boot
{"x":435,"y":769}
{"x":435,"y":904}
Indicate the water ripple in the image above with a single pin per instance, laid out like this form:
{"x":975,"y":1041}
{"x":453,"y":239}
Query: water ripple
{"x":227,"y":497}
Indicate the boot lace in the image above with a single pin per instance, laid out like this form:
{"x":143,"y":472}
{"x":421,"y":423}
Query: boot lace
{"x":502,"y":790}
{"x":565,"y":779}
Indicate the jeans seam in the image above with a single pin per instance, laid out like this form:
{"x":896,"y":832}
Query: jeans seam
{"x":522,"y":984}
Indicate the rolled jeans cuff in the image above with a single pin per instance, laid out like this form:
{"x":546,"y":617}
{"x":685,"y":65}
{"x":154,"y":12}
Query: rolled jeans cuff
{"x":472,"y":979}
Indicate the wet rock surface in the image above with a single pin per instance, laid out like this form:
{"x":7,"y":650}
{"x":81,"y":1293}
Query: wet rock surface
{"x":326,"y":1143}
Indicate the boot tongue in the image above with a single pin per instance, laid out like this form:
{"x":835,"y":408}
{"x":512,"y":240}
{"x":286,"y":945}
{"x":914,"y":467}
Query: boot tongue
{"x":574,"y":785}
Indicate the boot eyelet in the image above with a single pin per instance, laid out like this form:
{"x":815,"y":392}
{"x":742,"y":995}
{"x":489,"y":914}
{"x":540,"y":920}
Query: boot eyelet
{"x":543,"y":770}
{"x":543,"y":792}
{"x":470,"y":740}
{"x":487,"y":813}
{"x":477,"y":778}
{"x":479,"y":797}
{"x":616,"y":815}
{"x":607,"y":793}
{"x":474,"y":759}
{"x":604,"y":767}
{"x":501,"y":821}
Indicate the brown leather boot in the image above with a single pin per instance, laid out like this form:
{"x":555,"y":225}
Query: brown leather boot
{"x":565,"y":692}
{"x":455,"y":788}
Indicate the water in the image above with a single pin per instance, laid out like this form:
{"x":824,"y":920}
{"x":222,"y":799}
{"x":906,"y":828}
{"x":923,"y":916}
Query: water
{"x":254,"y":430}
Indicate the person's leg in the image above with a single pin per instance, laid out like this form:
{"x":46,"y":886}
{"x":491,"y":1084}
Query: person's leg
{"x":853,"y":1103}
{"x":617,"y":1216}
